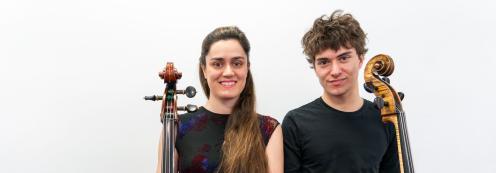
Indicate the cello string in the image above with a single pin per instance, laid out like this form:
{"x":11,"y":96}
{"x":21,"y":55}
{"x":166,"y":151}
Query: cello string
{"x":405,"y":140}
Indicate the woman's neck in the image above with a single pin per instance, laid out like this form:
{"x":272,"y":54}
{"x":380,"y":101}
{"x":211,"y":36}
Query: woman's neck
{"x":220,"y":106}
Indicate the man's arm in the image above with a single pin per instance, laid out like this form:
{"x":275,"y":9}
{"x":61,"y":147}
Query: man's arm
{"x":292,"y":148}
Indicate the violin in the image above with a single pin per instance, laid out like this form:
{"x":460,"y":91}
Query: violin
{"x":388,"y":101}
{"x":169,"y":115}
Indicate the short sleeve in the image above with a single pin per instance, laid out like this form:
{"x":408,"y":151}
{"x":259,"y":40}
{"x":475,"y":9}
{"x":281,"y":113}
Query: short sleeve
{"x":267,"y":126}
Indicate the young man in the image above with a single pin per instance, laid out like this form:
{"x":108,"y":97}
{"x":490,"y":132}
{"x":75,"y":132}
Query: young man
{"x":339,"y":131}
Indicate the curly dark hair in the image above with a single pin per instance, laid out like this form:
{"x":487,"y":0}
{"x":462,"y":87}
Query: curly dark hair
{"x":337,"y":30}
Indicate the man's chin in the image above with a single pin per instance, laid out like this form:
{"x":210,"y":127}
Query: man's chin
{"x":335,"y":93}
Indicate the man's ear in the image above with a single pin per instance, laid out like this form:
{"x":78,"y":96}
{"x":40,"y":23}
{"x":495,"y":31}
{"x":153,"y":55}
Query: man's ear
{"x":311,"y":63}
{"x":361,"y":58}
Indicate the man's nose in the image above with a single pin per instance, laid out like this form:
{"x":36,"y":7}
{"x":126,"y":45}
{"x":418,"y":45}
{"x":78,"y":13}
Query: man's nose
{"x":335,"y":69}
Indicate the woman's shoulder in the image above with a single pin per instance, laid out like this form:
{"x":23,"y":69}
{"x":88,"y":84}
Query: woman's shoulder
{"x":200,"y":112}
{"x":268,"y":125}
{"x":268,"y":120}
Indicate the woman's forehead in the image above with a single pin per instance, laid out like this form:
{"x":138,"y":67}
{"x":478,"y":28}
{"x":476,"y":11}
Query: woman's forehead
{"x":228,"y":58}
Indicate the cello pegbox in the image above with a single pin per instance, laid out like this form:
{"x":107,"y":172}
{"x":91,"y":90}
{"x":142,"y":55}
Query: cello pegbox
{"x":189,"y":91}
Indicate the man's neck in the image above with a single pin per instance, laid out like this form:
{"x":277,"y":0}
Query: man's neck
{"x":220,"y":106}
{"x":347,"y":102}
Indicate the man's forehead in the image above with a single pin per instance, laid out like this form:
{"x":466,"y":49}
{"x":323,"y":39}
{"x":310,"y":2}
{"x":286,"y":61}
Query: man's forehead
{"x":333,"y":53}
{"x":338,"y":50}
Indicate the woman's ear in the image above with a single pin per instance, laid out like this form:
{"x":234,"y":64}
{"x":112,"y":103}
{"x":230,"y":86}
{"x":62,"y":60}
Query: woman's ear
{"x":202,"y":67}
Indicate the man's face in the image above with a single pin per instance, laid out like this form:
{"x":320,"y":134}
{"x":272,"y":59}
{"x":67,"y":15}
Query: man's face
{"x":338,"y":71}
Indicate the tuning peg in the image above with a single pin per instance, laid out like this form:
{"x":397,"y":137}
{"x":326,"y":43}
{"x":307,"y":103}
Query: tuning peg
{"x":402,"y":95}
{"x":153,"y":98}
{"x":369,"y":87}
{"x":188,"y":108}
{"x":386,"y":79}
{"x":189,"y":91}
{"x":379,"y":102}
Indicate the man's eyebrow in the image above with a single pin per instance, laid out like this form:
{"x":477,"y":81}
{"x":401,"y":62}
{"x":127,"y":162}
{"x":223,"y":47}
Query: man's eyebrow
{"x":321,"y":58}
{"x":344,"y":53}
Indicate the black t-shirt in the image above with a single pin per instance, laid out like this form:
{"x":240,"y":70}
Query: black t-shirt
{"x":321,"y":139}
{"x":201,"y":135}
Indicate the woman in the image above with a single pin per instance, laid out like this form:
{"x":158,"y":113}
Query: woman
{"x":226,"y":134}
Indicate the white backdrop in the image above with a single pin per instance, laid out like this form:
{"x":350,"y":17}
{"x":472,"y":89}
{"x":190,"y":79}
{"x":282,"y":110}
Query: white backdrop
{"x":73,"y":74}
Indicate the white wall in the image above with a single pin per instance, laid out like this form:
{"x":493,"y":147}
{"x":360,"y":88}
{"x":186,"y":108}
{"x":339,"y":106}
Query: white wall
{"x":73,"y":74}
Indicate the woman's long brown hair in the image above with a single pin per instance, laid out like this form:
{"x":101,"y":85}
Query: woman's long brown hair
{"x":243,"y":150}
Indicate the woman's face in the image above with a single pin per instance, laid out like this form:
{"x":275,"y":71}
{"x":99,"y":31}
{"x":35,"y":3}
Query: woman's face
{"x":226,"y":69}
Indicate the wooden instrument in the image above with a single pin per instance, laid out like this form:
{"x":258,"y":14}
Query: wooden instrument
{"x":389,"y":102}
{"x":168,"y":114}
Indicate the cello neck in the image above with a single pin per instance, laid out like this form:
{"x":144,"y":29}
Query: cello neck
{"x":406,"y":153}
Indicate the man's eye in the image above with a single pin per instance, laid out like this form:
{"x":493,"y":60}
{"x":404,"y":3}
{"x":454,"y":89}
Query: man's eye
{"x":343,"y":58}
{"x":322,"y":62}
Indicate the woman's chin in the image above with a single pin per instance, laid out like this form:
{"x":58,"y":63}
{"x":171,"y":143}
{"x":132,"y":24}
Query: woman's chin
{"x":228,"y":96}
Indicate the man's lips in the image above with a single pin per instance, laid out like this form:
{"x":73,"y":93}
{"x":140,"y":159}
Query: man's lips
{"x":336,"y":82}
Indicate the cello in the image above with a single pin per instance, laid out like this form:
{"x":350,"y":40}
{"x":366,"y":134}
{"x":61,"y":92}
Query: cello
{"x":169,"y":115}
{"x":388,"y":101}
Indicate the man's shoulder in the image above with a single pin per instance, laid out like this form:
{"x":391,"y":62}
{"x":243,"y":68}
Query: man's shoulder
{"x":370,"y":107}
{"x":304,"y":110}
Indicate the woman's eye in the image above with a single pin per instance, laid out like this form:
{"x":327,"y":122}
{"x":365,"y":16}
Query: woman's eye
{"x":238,"y":63}
{"x":217,"y":64}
